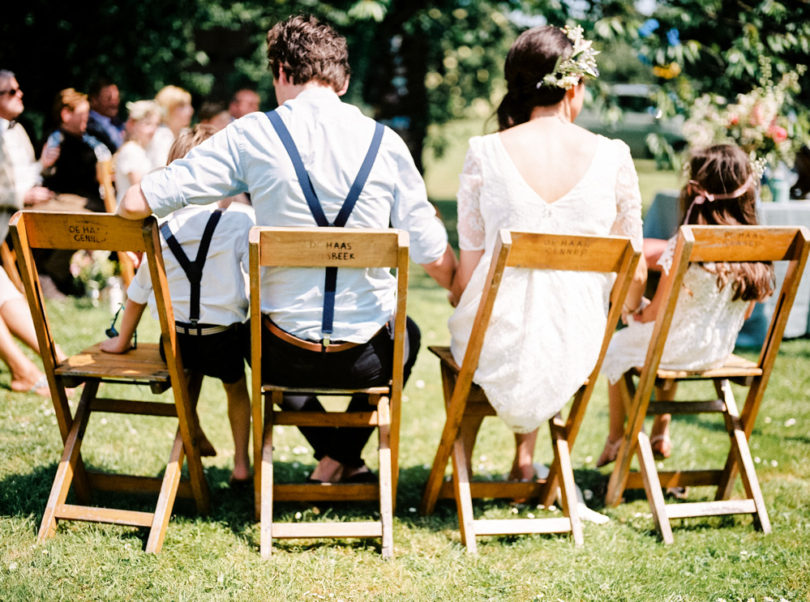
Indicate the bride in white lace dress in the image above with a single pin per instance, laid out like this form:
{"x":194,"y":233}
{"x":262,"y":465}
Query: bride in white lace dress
{"x":540,"y":173}
{"x":714,"y":302}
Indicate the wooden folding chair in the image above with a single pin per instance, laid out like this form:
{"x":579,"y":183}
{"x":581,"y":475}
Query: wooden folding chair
{"x":104,"y":175}
{"x":92,"y":367}
{"x":297,"y":247}
{"x":707,"y":244}
{"x":465,"y":402}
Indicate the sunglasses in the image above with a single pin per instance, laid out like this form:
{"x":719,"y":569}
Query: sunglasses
{"x":10,"y":92}
{"x":112,"y":331}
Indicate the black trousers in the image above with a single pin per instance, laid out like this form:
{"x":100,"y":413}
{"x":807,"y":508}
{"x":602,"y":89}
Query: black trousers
{"x":366,"y":365}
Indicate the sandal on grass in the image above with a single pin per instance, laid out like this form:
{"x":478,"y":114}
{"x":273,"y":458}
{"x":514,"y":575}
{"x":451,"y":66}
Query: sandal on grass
{"x":38,"y":387}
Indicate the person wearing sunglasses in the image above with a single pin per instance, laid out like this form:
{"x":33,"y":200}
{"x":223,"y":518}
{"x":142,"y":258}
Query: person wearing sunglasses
{"x":20,"y":172}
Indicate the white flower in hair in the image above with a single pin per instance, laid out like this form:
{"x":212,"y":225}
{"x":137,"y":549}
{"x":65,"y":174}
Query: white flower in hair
{"x":569,"y":71}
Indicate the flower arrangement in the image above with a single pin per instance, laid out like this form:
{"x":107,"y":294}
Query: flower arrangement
{"x":92,"y":270}
{"x":755,"y":122}
{"x":581,"y":62}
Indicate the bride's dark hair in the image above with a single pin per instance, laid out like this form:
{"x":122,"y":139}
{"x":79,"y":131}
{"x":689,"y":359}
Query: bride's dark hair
{"x":533,"y":55}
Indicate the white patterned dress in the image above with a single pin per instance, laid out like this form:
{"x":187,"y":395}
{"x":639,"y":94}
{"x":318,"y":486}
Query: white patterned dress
{"x":703,"y":331}
{"x":547,"y":326}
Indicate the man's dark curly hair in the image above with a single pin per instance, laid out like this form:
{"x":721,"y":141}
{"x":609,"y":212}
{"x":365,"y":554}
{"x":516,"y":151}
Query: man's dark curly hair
{"x":309,"y":51}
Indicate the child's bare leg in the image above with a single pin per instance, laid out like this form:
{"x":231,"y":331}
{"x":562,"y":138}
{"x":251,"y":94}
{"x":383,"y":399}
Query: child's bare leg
{"x":616,"y":424}
{"x":239,"y":417}
{"x":194,"y":386}
{"x":659,"y":434}
{"x":523,"y":463}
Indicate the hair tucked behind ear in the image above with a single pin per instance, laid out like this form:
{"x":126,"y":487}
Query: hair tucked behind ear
{"x":718,"y":170}
{"x":533,"y":55}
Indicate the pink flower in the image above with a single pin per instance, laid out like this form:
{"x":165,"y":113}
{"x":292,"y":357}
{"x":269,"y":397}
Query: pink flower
{"x":733,"y":119}
{"x":778,"y":133}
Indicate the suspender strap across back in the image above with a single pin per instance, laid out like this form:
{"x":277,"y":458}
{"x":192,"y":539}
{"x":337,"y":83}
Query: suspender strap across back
{"x":330,"y":280}
{"x":193,"y":269}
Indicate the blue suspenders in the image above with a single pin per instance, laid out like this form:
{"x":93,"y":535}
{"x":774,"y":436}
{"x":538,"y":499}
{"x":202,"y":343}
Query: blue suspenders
{"x":193,"y":269}
{"x":330,"y":280}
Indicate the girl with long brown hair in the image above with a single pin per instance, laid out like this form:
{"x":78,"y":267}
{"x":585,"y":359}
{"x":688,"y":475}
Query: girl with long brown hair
{"x":721,"y":192}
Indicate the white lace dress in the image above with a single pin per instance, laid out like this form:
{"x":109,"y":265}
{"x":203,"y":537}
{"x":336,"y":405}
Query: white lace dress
{"x":547,"y":326}
{"x":702,"y":334}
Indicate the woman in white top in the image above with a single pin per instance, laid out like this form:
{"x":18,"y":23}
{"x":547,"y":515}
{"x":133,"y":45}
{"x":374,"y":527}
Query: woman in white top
{"x":177,"y":111}
{"x":540,"y":173}
{"x":131,"y":162}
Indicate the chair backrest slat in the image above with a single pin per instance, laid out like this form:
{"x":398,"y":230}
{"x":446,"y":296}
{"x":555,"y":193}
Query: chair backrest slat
{"x":324,"y":247}
{"x":557,"y":252}
{"x":89,"y":231}
{"x":747,"y":243}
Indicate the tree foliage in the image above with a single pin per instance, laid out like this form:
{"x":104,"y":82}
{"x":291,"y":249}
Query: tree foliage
{"x":414,"y":62}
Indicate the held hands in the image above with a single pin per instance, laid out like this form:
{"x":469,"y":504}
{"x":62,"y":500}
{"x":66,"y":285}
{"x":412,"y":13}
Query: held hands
{"x":639,"y":314}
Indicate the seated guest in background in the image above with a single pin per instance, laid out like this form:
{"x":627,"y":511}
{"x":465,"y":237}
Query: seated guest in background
{"x":244,"y":101}
{"x":72,"y":177}
{"x":20,"y":172}
{"x":177,"y":111}
{"x":215,"y":114}
{"x":15,"y":321}
{"x":310,"y":67}
{"x":103,"y":123}
{"x":74,"y":172}
{"x":131,"y":162}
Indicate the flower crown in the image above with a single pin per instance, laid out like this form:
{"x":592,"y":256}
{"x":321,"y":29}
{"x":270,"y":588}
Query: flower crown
{"x":569,"y":71}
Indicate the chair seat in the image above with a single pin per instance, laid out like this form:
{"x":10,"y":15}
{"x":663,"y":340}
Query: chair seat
{"x":142,"y":364}
{"x":734,"y":367}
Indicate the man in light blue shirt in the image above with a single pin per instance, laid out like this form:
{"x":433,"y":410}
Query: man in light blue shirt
{"x":309,"y":62}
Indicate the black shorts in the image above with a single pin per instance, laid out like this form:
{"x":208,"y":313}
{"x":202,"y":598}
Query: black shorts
{"x":219,"y":355}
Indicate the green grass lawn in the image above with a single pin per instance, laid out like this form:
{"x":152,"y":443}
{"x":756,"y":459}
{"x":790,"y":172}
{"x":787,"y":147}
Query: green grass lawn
{"x":216,"y":556}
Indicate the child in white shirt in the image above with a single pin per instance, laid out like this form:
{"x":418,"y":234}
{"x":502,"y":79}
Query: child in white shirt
{"x":211,"y":333}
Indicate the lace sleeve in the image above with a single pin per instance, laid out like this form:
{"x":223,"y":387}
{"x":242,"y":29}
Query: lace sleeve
{"x":628,"y":200}
{"x":471,"y":234}
{"x":665,"y":260}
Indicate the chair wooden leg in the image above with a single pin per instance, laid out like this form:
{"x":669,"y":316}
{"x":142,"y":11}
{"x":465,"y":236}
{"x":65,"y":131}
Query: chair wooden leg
{"x":168,"y":492}
{"x":434,"y":482}
{"x":570,"y":502}
{"x":66,"y":469}
{"x":266,"y":488}
{"x":652,"y":486}
{"x":739,"y":445}
{"x":461,"y":489}
{"x":81,"y":482}
{"x":385,"y":478}
{"x":621,"y":469}
{"x":189,"y":428}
